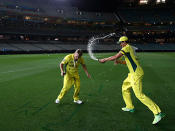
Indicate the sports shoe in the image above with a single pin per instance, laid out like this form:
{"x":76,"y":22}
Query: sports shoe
{"x":57,"y":101}
{"x":78,"y":101}
{"x":157,"y":118}
{"x":126,"y":109}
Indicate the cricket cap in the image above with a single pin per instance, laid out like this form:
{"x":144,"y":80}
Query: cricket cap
{"x":122,"y":38}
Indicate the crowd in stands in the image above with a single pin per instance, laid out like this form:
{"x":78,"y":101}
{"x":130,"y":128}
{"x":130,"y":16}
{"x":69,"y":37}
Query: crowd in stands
{"x":152,"y":37}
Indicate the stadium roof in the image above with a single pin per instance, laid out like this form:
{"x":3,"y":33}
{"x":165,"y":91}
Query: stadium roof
{"x":88,"y":5}
{"x":113,"y":5}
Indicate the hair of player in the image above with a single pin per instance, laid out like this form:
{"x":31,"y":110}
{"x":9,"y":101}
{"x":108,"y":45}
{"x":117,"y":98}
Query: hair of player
{"x":79,"y":51}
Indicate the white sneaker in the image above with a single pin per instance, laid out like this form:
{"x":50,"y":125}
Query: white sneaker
{"x":126,"y":109}
{"x":78,"y":101}
{"x":157,"y":118}
{"x":57,"y":101}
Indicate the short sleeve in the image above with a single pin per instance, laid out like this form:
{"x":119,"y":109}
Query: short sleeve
{"x":82,"y":61}
{"x":65,"y":60}
{"x":124,"y":50}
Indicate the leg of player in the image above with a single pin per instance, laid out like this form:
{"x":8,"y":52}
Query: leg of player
{"x":68,"y":82}
{"x":137,"y":88}
{"x":77,"y":90}
{"x":127,"y":95}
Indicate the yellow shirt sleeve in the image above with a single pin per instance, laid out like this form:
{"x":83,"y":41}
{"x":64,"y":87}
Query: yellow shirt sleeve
{"x":65,"y":60}
{"x":82,"y":61}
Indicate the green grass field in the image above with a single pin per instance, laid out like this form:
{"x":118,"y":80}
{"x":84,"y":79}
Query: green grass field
{"x":29,"y":85}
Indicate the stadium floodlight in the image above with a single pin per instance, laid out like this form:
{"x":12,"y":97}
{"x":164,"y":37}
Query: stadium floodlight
{"x":160,"y":1}
{"x":143,"y":2}
{"x":163,"y":1}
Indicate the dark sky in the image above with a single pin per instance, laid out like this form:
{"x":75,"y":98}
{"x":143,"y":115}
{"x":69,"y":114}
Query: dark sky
{"x":96,"y":5}
{"x":86,"y":5}
{"x":109,"y":5}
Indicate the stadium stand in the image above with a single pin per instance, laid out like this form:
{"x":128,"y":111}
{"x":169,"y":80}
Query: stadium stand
{"x":143,"y":15}
{"x":49,"y":26}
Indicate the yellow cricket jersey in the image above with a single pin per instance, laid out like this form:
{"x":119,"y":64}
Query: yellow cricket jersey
{"x":131,"y":60}
{"x":71,"y":65}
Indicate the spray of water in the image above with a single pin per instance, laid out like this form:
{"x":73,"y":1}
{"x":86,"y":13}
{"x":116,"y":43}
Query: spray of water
{"x":92,"y":41}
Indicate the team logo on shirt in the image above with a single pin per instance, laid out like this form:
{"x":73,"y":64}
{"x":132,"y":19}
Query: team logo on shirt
{"x":71,"y":64}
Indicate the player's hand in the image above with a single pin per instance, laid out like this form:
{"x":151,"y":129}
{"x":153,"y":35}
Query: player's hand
{"x":63,"y":73}
{"x":102,"y":60}
{"x":116,"y":62}
{"x":88,"y":75}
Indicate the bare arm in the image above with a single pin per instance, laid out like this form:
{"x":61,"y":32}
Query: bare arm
{"x":112,"y":58}
{"x":85,"y":70}
{"x":61,"y":69}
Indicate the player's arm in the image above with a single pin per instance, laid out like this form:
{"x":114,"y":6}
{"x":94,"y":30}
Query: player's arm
{"x":62,"y":69}
{"x":112,"y":58}
{"x":64,"y":61}
{"x":85,"y":70}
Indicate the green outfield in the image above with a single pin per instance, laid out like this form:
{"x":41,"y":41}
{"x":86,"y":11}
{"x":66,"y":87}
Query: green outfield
{"x":29,"y":85}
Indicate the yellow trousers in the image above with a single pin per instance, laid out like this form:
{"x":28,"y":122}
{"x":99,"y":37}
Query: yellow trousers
{"x":69,"y":81}
{"x":136,"y":84}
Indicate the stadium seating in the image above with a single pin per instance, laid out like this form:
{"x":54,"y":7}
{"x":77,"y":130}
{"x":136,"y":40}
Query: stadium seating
{"x":71,"y":28}
{"x":146,"y":15}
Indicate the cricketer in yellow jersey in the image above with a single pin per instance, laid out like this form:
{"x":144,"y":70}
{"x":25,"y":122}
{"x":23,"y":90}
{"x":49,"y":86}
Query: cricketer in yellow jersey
{"x":71,"y":75}
{"x":134,"y":79}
